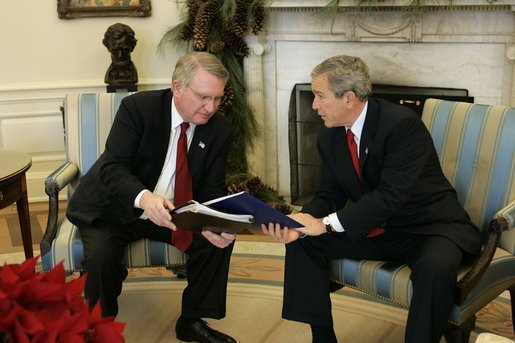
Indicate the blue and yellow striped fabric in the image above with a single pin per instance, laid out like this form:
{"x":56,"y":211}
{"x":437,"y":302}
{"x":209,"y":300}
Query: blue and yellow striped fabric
{"x":476,"y":147}
{"x":88,"y":119}
{"x":67,"y":247}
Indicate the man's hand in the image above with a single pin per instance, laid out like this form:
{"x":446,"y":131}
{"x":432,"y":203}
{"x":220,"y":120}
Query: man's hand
{"x":157,"y":209}
{"x":312,"y":226}
{"x":282,"y":235}
{"x":221,"y":241}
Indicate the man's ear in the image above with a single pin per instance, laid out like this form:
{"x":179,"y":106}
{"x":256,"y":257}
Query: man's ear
{"x":177,"y":87}
{"x":350,"y":98}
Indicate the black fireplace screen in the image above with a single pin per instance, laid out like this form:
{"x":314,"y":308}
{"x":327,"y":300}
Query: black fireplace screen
{"x":305,"y":125}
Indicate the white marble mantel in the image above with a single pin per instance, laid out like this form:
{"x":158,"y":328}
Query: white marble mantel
{"x":469,"y":45}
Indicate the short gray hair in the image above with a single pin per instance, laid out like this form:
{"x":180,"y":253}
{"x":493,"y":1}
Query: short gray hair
{"x":346,"y":73}
{"x":188,"y":65}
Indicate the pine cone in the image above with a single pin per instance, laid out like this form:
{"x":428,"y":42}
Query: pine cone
{"x":187,"y":31}
{"x":240,"y":47}
{"x":237,"y":187}
{"x":216,"y":47}
{"x":229,"y":100}
{"x":258,"y":20}
{"x":207,"y":12}
{"x":240,"y":21}
{"x":234,"y":43}
{"x":255,"y":183}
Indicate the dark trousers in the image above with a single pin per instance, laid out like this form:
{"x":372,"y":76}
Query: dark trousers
{"x":104,"y":247}
{"x":434,"y":261}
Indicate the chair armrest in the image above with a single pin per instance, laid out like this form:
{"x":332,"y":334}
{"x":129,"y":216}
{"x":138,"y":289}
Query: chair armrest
{"x":503,"y":220}
{"x":61,"y":177}
{"x":507,"y":214}
{"x":54,"y":183}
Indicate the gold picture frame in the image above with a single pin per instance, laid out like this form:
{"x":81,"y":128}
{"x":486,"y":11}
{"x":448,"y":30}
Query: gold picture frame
{"x":73,"y":9}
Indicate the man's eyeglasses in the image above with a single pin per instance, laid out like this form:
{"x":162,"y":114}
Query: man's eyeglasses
{"x":207,"y":99}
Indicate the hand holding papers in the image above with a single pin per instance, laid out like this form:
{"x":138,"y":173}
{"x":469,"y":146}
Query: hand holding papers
{"x":232,"y":213}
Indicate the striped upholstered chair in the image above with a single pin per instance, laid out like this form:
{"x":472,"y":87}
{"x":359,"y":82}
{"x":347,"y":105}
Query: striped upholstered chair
{"x":87,"y":121}
{"x":476,"y":147}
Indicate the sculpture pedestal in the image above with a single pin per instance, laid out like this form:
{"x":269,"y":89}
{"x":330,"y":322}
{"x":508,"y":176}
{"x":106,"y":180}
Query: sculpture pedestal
{"x":122,"y":87}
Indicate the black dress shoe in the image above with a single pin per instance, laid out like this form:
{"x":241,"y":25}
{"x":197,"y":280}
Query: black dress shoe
{"x":200,"y":332}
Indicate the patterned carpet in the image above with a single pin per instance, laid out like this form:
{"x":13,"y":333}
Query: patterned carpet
{"x":256,"y":263}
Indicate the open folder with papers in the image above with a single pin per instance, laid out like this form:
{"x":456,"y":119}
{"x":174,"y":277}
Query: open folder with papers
{"x":232,"y":213}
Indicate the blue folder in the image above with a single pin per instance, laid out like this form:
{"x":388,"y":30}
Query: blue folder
{"x":245,"y":203}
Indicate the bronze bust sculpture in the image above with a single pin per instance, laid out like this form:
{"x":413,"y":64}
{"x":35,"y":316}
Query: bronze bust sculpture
{"x":120,"y":42}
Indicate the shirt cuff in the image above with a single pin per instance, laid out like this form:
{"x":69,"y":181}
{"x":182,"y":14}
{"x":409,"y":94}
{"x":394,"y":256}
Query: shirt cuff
{"x":335,"y":223}
{"x":138,"y":198}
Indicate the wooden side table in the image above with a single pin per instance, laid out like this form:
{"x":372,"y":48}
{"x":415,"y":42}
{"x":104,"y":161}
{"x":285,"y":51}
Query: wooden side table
{"x":13,"y":188}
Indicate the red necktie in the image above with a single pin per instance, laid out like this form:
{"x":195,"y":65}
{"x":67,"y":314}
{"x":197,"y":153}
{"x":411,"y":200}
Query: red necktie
{"x":353,"y":149}
{"x":182,"y":239}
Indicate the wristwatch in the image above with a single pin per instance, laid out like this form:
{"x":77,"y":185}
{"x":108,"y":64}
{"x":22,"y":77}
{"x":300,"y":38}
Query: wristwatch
{"x":327,"y":223}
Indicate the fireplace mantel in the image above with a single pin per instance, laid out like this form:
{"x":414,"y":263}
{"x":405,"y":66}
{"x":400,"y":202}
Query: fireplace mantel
{"x":399,"y":4}
{"x":468,"y":45}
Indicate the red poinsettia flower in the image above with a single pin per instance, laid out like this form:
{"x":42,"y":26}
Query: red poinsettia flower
{"x":43,"y":307}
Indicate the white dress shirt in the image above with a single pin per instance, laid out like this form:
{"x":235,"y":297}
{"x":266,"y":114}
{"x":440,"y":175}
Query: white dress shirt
{"x":166,"y":182}
{"x":357,"y":129}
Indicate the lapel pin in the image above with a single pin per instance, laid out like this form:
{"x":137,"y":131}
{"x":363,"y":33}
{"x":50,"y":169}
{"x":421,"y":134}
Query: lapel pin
{"x":366,"y":151}
{"x":201,"y":145}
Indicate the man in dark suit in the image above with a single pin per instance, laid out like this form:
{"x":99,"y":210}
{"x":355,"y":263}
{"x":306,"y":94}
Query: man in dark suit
{"x":395,"y":204}
{"x":128,"y":192}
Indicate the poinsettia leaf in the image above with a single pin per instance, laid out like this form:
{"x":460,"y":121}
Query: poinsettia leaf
{"x":8,"y":276}
{"x":76,"y":304}
{"x":78,"y":323}
{"x":29,"y":322}
{"x":45,"y":308}
{"x":76,"y":286}
{"x":108,"y":331}
{"x":14,"y":267}
{"x":73,"y":338}
{"x":74,"y":291}
{"x":55,"y":316}
{"x":56,"y":275}
{"x":8,"y":318}
{"x":39,"y":293}
{"x":6,"y":304}
{"x":28,"y":268}
{"x":96,"y":314}
{"x":49,"y":335}
{"x":118,"y":326}
{"x":18,"y":334}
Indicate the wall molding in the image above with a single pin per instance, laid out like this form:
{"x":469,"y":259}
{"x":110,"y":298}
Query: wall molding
{"x":77,"y":85}
{"x":35,"y":108}
{"x":389,"y":5}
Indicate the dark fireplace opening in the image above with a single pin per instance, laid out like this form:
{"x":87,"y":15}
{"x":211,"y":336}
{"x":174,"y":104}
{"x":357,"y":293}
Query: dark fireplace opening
{"x":305,"y":125}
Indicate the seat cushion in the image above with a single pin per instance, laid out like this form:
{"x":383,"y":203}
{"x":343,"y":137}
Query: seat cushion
{"x":67,"y":247}
{"x":391,"y":281}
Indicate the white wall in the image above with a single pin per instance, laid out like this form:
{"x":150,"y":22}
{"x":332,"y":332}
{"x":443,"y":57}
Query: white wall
{"x":42,"y":57}
{"x":38,"y":47}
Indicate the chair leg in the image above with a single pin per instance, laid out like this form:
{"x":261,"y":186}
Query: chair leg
{"x":460,"y":334}
{"x":512,"y":297}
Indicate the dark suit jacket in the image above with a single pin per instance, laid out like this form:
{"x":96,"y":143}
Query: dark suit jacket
{"x":405,"y":188}
{"x":134,"y":155}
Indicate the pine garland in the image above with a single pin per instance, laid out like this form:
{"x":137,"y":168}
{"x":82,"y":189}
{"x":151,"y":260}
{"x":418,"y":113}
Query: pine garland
{"x":219,"y":27}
